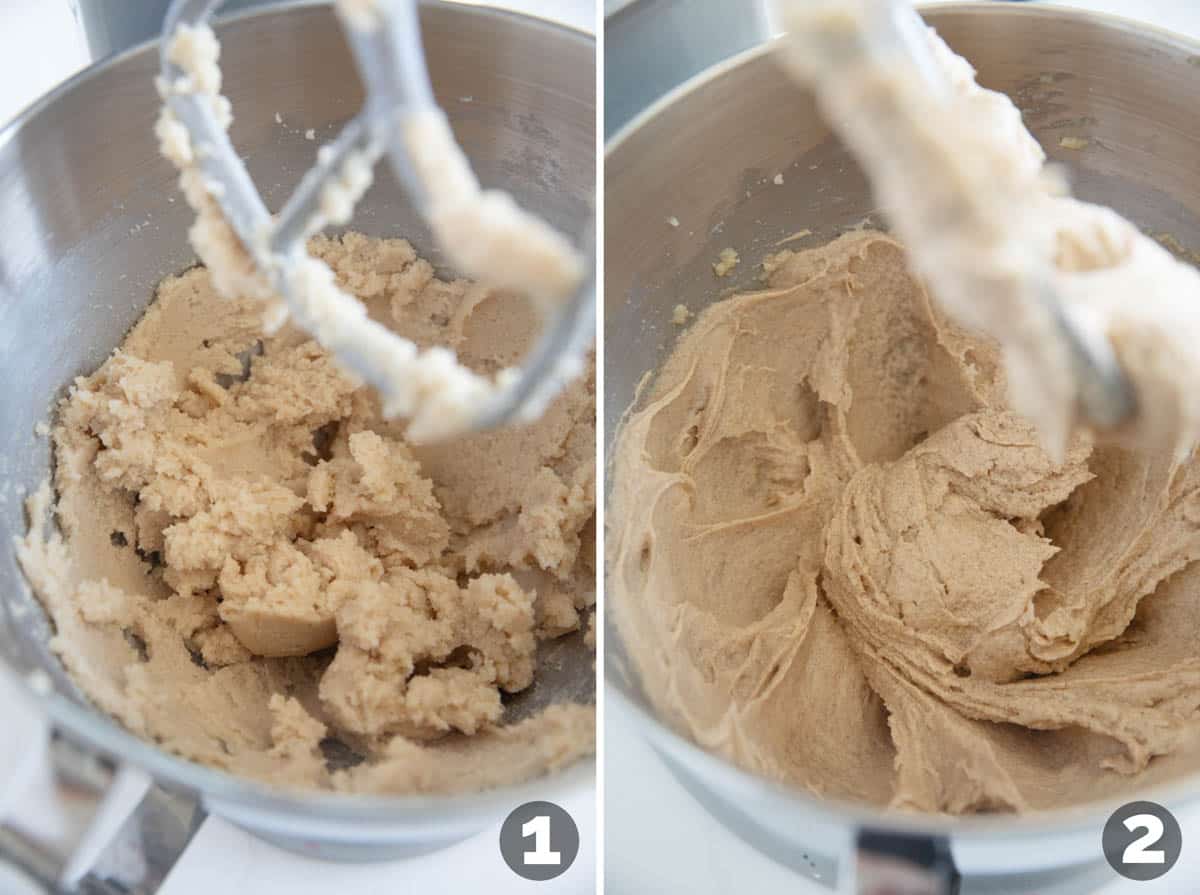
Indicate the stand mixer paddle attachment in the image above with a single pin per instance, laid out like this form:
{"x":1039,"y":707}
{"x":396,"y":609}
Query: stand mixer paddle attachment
{"x":484,"y":234}
{"x":964,"y":185}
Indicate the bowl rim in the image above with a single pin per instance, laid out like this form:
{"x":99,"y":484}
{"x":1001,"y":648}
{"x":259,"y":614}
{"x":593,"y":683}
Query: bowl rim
{"x":100,"y":731}
{"x":674,"y":746}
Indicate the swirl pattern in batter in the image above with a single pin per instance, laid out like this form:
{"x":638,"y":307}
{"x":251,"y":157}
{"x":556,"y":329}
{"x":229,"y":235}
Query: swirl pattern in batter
{"x":841,"y":560}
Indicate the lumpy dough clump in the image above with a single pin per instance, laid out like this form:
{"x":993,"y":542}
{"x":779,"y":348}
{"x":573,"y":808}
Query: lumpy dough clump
{"x":839,"y":559}
{"x":257,"y":572}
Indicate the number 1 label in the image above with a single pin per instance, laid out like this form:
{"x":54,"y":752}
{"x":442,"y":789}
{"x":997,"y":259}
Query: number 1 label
{"x":547,"y":825}
{"x":539,"y":828}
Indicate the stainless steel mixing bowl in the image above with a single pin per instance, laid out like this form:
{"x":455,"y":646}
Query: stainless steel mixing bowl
{"x":90,"y":222}
{"x":706,"y":155}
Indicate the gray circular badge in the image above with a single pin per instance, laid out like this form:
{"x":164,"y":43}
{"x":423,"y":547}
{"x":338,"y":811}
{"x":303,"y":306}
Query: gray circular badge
{"x":539,"y":841}
{"x":1142,"y":840}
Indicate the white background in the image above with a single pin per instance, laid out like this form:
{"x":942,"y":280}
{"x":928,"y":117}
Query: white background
{"x":40,"y":46}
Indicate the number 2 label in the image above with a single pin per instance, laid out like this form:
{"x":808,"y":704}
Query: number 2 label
{"x":539,"y":828}
{"x":1136,"y":852}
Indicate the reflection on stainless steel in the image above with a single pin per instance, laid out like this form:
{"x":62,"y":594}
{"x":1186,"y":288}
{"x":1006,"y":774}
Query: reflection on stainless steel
{"x":111,"y":26}
{"x":653,"y":45}
{"x":146,"y":847}
{"x":890,"y":864}
{"x":57,"y":852}
{"x":90,"y":222}
{"x":707,"y":157}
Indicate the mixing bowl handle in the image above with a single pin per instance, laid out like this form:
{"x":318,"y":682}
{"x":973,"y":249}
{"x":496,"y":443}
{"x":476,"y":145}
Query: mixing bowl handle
{"x":72,"y":821}
{"x":900,"y":864}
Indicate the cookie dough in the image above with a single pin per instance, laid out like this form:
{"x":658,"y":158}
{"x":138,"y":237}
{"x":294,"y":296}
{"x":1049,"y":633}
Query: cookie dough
{"x":841,"y":560}
{"x":258,"y":572}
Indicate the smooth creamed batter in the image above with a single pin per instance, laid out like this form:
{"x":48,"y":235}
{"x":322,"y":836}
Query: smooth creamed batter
{"x":841,"y":560}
